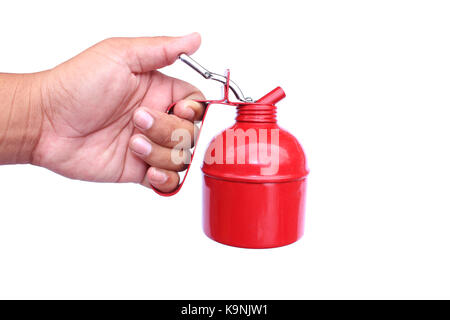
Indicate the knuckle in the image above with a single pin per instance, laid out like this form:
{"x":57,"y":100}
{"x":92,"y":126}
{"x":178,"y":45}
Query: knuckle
{"x":110,"y":41}
{"x":167,"y":139}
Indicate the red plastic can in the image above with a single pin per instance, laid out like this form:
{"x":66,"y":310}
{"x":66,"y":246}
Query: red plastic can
{"x":254,"y":182}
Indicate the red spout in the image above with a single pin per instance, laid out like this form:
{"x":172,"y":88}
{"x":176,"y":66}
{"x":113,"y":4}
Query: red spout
{"x":273,"y":96}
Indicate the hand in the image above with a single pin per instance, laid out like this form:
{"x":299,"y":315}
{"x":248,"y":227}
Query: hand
{"x":104,"y":113}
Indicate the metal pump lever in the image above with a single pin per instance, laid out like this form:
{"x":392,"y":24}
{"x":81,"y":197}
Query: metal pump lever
{"x":214,"y":76}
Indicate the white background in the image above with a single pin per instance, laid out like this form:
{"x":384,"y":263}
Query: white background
{"x":368,"y":98}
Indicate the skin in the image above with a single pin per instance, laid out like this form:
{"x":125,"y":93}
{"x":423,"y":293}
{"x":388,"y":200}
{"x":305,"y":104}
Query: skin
{"x":101,"y":116}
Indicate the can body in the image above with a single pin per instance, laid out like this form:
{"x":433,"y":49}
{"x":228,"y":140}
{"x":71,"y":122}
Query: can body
{"x":253,"y":215}
{"x":254,"y":183}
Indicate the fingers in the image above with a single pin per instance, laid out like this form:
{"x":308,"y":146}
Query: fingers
{"x":164,"y":138}
{"x":163,"y":180}
{"x":186,"y":108}
{"x":166,"y":90}
{"x":189,"y":109}
{"x":164,"y":163}
{"x":150,"y":53}
{"x":159,"y":156}
{"x":165,"y":129}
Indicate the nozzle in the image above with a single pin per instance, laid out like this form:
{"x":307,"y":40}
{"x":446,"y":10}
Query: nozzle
{"x":273,"y":96}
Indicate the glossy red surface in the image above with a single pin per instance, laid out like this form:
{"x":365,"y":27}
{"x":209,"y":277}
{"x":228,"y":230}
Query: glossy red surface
{"x":253,"y":215}
{"x":251,"y":199}
{"x":291,"y":161}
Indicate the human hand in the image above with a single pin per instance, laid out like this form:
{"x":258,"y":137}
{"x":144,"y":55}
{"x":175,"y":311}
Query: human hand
{"x":104,"y":113}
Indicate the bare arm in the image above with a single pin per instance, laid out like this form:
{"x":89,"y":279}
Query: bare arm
{"x":20,"y":117}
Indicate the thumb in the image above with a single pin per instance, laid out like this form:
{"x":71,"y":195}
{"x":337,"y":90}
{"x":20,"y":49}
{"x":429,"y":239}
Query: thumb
{"x":149,"y":53}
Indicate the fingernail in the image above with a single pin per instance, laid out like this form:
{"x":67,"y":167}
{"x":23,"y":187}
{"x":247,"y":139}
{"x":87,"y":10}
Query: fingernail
{"x":143,"y":120}
{"x":157,"y":176}
{"x":141,"y":146}
{"x":190,"y":114}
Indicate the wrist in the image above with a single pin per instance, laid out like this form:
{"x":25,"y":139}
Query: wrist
{"x":21,"y":116}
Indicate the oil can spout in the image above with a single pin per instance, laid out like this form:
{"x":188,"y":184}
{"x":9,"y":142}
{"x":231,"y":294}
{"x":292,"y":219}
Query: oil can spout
{"x":273,"y":96}
{"x":262,"y":111}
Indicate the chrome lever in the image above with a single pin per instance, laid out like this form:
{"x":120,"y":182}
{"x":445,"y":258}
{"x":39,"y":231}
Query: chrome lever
{"x":214,"y":76}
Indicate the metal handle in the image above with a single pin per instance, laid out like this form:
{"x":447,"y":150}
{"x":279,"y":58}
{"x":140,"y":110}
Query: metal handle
{"x":214,"y":76}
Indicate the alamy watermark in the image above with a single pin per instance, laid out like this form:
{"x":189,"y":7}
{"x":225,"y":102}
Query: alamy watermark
{"x":250,"y":146}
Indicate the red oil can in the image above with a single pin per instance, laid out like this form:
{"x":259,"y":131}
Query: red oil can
{"x":254,"y":174}
{"x":254,"y":181}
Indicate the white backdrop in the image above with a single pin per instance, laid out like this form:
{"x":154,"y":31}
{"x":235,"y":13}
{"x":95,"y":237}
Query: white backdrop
{"x":368,"y":98}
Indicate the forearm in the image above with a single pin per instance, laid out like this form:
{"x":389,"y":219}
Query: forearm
{"x":20,"y":117}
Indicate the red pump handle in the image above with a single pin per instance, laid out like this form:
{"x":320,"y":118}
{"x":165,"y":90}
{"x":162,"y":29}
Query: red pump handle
{"x":271,"y":98}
